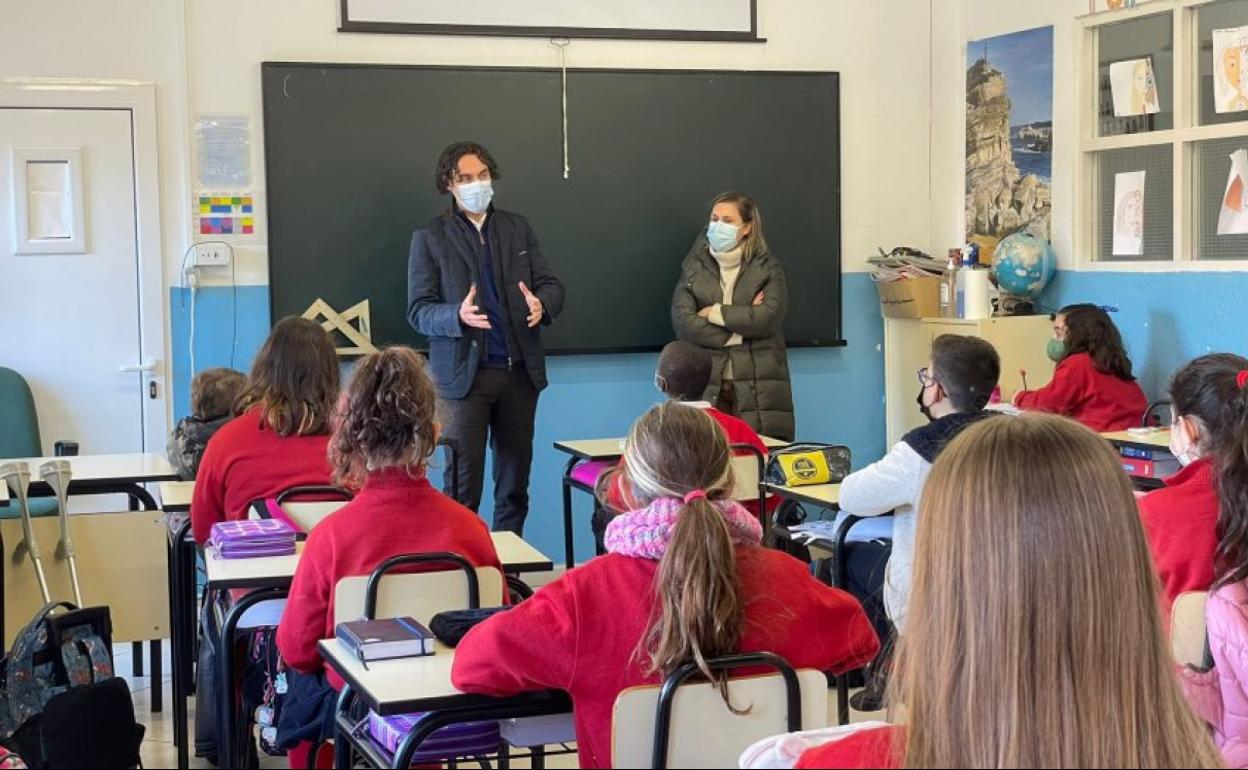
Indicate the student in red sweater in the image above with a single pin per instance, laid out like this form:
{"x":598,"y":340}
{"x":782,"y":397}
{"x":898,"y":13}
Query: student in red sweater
{"x":1092,"y":382}
{"x":682,"y":375}
{"x":1181,"y":520}
{"x":383,"y":438}
{"x":279,"y":437}
{"x":686,"y":577}
{"x":1034,"y":637}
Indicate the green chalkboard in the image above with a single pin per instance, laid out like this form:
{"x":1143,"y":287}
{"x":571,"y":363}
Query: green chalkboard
{"x":350,"y":153}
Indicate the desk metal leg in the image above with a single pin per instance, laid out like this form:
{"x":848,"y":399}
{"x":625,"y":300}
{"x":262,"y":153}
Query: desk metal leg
{"x":228,"y":753}
{"x":177,"y":638}
{"x":568,"y":548}
{"x":158,"y":677}
{"x":343,"y":728}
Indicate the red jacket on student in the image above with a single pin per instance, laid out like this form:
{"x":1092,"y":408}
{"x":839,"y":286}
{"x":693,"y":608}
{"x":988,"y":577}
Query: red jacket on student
{"x":247,"y":461}
{"x":393,"y":514}
{"x":1100,"y":401}
{"x":863,"y":749}
{"x":1181,"y":524}
{"x":581,"y":634}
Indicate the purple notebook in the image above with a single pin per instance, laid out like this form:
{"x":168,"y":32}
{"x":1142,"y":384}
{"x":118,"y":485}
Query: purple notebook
{"x":251,"y":538}
{"x":471,"y":739}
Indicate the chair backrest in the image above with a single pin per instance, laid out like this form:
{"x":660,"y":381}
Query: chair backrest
{"x":303,"y":514}
{"x":419,"y":595}
{"x":1158,"y":414}
{"x":1187,"y":628}
{"x":748,"y":465}
{"x":19,"y":422}
{"x":702,"y":732}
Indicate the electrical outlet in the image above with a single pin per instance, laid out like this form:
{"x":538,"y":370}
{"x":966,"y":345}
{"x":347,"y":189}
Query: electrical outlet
{"x":214,"y":254}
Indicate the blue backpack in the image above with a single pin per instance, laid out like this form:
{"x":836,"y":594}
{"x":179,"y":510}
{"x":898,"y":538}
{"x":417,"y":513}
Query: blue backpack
{"x":51,"y":655}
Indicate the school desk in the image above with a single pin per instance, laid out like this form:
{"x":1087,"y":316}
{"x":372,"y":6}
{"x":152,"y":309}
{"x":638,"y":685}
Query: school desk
{"x":393,"y":687}
{"x":106,"y":474}
{"x":267,"y":579}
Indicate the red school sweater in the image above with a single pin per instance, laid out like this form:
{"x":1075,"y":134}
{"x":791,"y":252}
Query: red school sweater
{"x":1100,"y":401}
{"x":393,"y":514}
{"x":580,"y":634}
{"x":1181,"y":525}
{"x":863,"y":749}
{"x":246,"y":460}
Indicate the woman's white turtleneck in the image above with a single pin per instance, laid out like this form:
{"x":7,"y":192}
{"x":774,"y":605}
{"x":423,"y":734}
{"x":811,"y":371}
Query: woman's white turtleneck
{"x":729,"y":269}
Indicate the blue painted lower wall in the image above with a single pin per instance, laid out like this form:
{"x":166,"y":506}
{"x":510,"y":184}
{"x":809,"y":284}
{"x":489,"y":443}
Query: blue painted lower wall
{"x":1166,"y":319}
{"x":838,"y":391}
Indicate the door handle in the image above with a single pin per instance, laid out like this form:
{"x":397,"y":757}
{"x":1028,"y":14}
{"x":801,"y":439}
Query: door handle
{"x":147,"y":366}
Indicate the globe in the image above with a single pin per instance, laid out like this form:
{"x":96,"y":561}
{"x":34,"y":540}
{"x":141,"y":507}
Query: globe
{"x":1023,"y":265}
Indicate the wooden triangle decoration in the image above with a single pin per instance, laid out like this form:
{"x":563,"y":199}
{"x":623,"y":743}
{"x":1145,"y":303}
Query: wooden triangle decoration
{"x":361,"y":334}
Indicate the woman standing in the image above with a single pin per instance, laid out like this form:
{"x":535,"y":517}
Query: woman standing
{"x":731,"y":299}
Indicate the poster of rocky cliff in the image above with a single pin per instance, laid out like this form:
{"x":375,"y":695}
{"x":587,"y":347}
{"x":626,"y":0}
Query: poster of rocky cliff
{"x":1009,"y":136}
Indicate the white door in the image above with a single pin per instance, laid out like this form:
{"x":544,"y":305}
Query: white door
{"x":70,"y":322}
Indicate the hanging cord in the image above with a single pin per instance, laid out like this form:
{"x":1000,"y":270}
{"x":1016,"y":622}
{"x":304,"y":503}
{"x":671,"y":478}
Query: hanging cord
{"x":562,"y":44}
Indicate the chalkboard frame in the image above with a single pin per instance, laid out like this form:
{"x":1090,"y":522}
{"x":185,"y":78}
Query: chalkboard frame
{"x":609,"y":33}
{"x":838,"y":341}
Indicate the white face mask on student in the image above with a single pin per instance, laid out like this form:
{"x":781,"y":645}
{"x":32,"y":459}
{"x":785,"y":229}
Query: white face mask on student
{"x":1181,"y":445}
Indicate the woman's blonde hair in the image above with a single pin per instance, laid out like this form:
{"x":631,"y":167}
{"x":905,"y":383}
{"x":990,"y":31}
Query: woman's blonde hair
{"x":673,"y":450}
{"x":754,"y":243}
{"x":1035,"y":638}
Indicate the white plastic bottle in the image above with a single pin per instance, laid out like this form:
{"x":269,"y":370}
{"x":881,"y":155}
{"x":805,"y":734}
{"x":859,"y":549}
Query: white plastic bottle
{"x":968,"y":263}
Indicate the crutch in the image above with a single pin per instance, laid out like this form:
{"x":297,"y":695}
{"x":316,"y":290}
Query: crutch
{"x":56,"y":474}
{"x":17,"y":476}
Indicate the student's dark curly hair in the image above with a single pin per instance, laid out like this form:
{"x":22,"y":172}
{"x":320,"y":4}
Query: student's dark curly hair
{"x":448,"y":162}
{"x":1090,"y":330}
{"x":385,"y":417}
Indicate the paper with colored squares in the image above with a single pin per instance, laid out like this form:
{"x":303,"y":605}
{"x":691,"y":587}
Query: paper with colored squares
{"x":226,"y":214}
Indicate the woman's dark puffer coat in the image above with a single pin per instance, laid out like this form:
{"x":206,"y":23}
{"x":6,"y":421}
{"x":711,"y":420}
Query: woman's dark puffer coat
{"x":760,"y":365}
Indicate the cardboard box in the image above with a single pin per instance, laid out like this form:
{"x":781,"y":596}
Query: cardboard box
{"x":910,"y":297}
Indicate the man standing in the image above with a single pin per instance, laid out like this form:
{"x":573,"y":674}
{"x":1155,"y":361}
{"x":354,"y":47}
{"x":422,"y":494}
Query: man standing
{"x":479,"y":289}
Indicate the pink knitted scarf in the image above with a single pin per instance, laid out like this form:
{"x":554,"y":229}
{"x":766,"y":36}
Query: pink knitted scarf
{"x":646,"y":533}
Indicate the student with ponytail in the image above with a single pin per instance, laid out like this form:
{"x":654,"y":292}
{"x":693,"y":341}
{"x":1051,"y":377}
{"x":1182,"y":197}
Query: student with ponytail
{"x":1220,"y":694}
{"x":1181,"y":520}
{"x":685,"y":579}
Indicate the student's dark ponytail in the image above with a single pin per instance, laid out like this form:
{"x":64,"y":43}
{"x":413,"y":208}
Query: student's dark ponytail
{"x":1214,"y":390}
{"x":1232,"y":554}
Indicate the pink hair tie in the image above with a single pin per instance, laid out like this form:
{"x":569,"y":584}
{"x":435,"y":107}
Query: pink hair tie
{"x":1242,"y":379}
{"x":697,"y":494}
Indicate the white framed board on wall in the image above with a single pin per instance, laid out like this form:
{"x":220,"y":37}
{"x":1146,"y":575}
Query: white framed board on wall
{"x":722,"y":20}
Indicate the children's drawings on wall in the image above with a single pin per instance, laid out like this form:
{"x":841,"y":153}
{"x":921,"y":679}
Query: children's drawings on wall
{"x":1233,"y":220}
{"x":1129,"y":214}
{"x":1230,"y":68}
{"x":1134,"y":88}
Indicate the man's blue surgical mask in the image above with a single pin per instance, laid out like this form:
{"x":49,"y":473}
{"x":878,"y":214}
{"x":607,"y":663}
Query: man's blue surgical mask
{"x":475,"y":197}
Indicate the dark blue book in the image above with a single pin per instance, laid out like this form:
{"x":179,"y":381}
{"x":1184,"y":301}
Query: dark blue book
{"x":387,"y":639}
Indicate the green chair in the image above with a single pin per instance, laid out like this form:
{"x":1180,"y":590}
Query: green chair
{"x":19,"y":436}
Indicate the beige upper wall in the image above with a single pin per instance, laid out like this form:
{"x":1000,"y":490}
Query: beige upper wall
{"x":880,"y":48}
{"x":952,"y":27}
